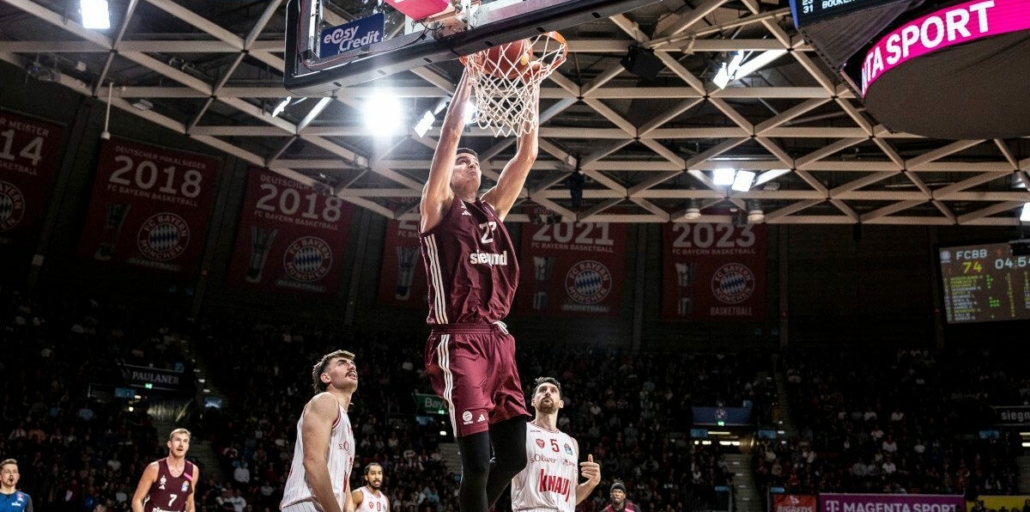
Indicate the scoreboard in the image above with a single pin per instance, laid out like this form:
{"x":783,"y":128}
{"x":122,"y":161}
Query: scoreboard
{"x":807,"y":12}
{"x":984,"y":283}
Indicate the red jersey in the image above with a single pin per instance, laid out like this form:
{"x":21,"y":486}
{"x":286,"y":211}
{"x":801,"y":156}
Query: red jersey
{"x":169,"y":493}
{"x":470,"y":265}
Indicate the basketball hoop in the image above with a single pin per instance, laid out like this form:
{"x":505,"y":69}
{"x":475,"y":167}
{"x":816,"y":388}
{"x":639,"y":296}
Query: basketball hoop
{"x":506,"y":80}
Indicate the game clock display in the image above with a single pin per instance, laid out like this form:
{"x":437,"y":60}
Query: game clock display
{"x":984,"y":283}
{"x":807,"y":12}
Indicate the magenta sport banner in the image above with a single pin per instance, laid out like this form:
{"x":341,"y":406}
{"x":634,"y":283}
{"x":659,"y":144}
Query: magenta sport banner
{"x":150,"y":207}
{"x":890,"y":503}
{"x":571,"y":269}
{"x":290,"y":237}
{"x":29,"y":151}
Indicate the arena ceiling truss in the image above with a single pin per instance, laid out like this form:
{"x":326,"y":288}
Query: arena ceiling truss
{"x":646,"y":148}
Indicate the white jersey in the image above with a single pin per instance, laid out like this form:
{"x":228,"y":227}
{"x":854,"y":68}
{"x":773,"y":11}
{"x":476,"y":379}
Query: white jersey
{"x":340,"y":458}
{"x":550,"y":478}
{"x":372,"y":503}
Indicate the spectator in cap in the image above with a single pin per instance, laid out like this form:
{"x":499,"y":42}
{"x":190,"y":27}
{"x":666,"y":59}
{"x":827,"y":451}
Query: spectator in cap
{"x":619,"y":502}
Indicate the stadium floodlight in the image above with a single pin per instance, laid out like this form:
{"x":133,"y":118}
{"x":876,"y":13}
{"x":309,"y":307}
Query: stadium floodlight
{"x":722,"y":77}
{"x":743,"y":181}
{"x":756,"y":63}
{"x":470,"y":112}
{"x":384,"y":114}
{"x":281,"y":107}
{"x":425,"y":123}
{"x":96,"y":14}
{"x":723,"y":177}
{"x":1025,"y":216}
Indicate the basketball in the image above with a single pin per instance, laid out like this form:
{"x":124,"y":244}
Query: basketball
{"x":508,"y":60}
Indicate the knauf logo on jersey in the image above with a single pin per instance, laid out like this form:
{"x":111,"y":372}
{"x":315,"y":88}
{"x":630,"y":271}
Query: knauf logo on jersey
{"x":351,"y":36}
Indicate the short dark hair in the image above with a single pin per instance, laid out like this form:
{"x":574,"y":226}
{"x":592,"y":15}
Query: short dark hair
{"x":546,"y":380}
{"x":319,"y":368}
{"x":466,"y":150}
{"x":618,"y":486}
{"x":369,"y":467}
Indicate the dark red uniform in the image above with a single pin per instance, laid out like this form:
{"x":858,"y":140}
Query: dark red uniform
{"x":470,"y":358}
{"x":169,"y":493}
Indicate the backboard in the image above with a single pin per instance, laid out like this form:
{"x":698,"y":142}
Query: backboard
{"x":379,"y":41}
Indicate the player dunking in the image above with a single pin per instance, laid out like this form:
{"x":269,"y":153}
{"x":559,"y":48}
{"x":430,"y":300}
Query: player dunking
{"x":324,"y":453}
{"x":167,"y":485}
{"x":473,"y":272}
{"x":370,"y":497}
{"x":549,"y":481}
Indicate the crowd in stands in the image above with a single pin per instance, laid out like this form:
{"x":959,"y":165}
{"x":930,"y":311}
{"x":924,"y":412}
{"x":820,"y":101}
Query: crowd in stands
{"x":904,"y":422}
{"x":75,"y":444}
{"x":868,"y":423}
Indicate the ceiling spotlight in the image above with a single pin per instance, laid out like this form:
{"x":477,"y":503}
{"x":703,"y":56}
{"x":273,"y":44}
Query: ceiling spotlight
{"x":384,"y":114}
{"x":143,"y":104}
{"x":723,"y":177}
{"x":281,"y":107}
{"x":743,"y":181}
{"x":755,"y":215}
{"x":96,"y":14}
{"x":722,"y":77}
{"x":425,"y":123}
{"x":1025,"y":216}
{"x":693,"y":211}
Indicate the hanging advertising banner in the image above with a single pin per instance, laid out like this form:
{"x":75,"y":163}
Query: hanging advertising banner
{"x":402,"y":279}
{"x":890,"y":503}
{"x":29,"y":151}
{"x":571,"y":269}
{"x":150,"y":207}
{"x":713,"y":271}
{"x":290,"y":237}
{"x":794,"y":503}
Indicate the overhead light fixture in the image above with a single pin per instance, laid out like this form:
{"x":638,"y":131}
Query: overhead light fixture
{"x":281,"y":107}
{"x":143,"y":104}
{"x":722,"y":77}
{"x":96,"y":14}
{"x":1025,"y":216}
{"x":735,"y":63}
{"x":37,"y":70}
{"x":743,"y":181}
{"x":384,"y":114}
{"x":642,"y":62}
{"x":693,"y":211}
{"x":425,"y":123}
{"x":723,"y":177}
{"x":755,"y":214}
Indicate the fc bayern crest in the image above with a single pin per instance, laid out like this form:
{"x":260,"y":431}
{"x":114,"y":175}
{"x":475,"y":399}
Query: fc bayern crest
{"x":588,"y":282}
{"x":164,"y":236}
{"x":12,"y":206}
{"x":308,"y":259}
{"x":733,"y":283}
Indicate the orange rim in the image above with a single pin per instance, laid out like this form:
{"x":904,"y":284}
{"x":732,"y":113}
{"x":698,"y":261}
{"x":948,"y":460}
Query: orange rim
{"x":552,"y":35}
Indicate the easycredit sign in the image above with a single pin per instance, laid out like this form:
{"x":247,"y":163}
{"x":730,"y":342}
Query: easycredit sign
{"x":958,"y":24}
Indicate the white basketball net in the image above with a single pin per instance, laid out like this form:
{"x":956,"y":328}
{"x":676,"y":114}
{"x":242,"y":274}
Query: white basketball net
{"x":508,"y":105}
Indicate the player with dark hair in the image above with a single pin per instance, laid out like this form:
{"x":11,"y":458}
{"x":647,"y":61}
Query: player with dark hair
{"x":550,"y":480}
{"x":370,"y":497}
{"x":324,"y":453}
{"x":619,"y":502}
{"x":168,"y":485}
{"x":473,"y":272}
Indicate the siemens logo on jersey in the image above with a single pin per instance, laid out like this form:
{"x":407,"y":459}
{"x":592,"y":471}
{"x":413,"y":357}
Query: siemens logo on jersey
{"x":489,"y":258}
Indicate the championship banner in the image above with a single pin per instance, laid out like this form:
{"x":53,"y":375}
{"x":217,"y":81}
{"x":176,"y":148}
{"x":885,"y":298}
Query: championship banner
{"x":29,"y":151}
{"x":290,"y":237}
{"x":713,"y":271}
{"x":794,"y":503}
{"x":402,"y":279}
{"x":571,"y":269}
{"x":150,"y":207}
{"x":890,"y":503}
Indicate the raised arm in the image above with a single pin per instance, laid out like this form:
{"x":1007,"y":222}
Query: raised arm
{"x":143,"y":489}
{"x":437,"y":194}
{"x":513,"y":177}
{"x":319,"y":415}
{"x":589,"y":470}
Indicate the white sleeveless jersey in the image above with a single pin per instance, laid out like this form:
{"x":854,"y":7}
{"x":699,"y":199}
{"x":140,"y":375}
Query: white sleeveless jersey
{"x":371,"y":503}
{"x":550,"y":478}
{"x":340,"y":458}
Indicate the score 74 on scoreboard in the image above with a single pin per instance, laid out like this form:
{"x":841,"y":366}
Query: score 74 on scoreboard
{"x":984,"y":283}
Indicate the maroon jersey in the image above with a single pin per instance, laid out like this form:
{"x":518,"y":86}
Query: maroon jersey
{"x":470,"y":265}
{"x":169,"y":493}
